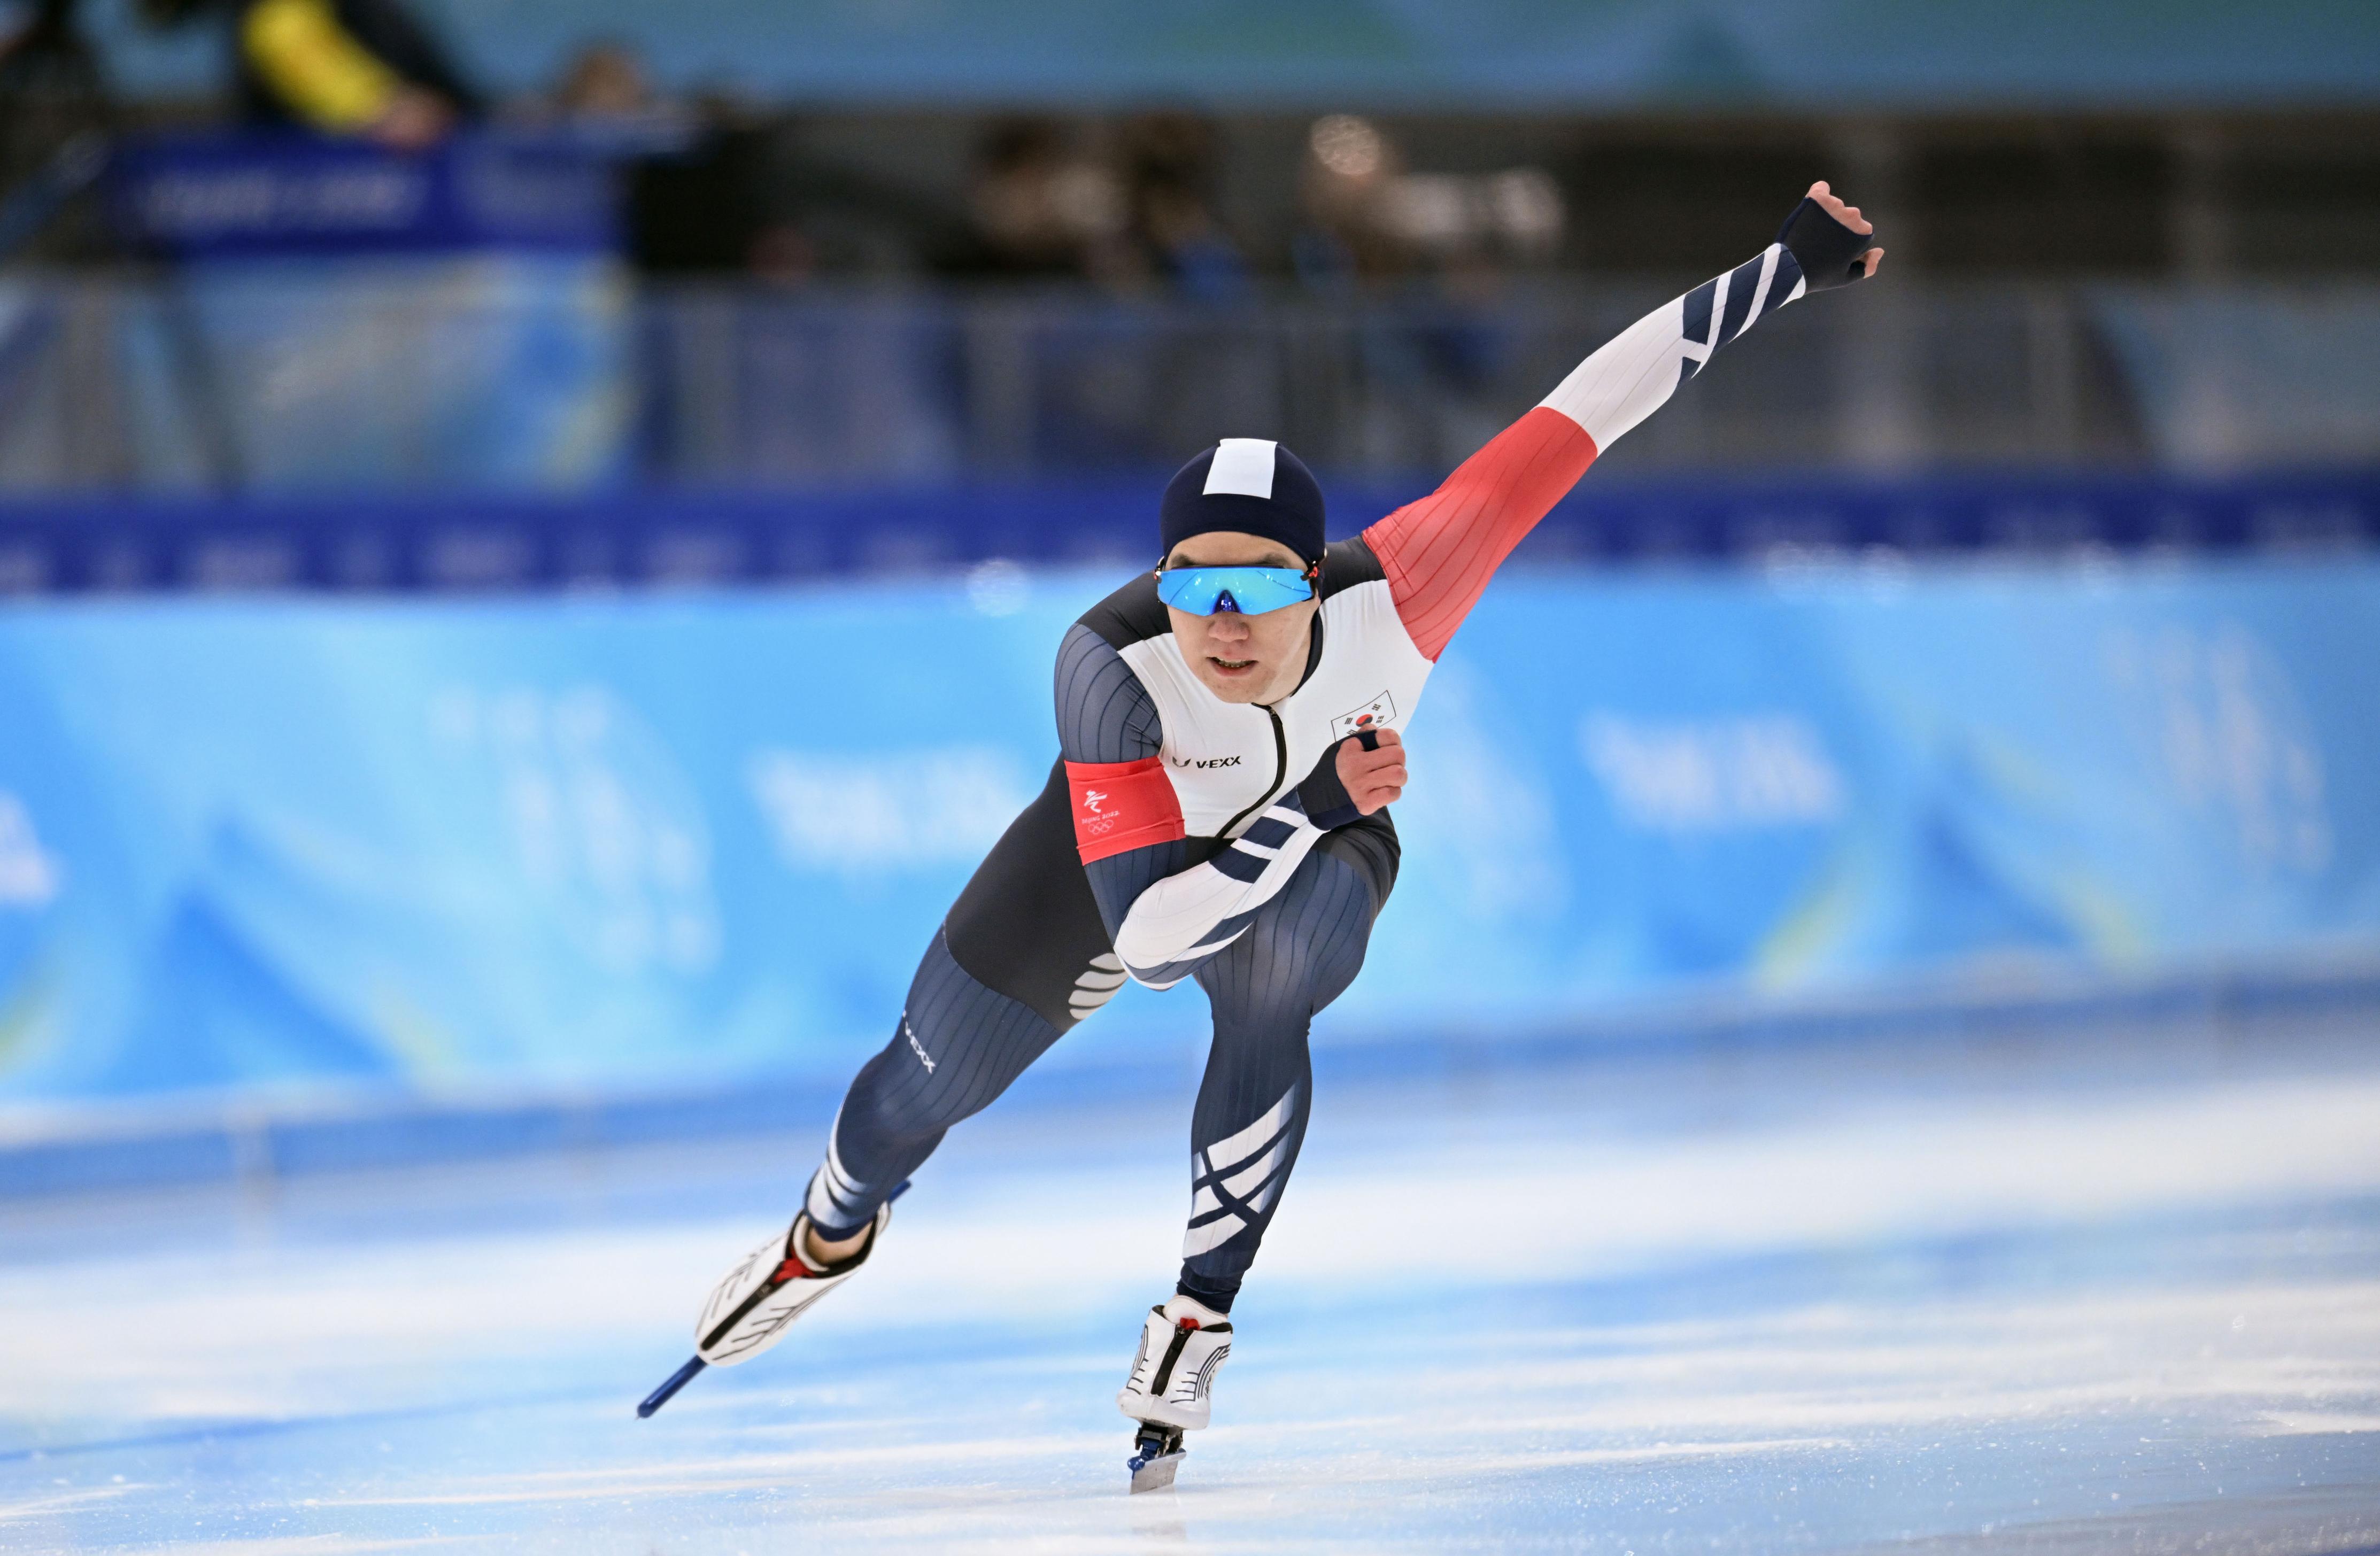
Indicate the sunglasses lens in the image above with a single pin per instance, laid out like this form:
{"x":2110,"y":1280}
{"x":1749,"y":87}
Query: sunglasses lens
{"x":1250,"y":591}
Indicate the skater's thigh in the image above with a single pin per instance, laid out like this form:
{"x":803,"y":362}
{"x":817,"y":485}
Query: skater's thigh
{"x":1303,"y":948}
{"x":1369,"y":845}
{"x":1028,"y":927}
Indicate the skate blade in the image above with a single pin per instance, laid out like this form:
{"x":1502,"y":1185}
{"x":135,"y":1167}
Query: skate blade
{"x":1155,"y":1474}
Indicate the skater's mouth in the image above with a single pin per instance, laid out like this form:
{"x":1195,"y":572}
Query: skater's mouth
{"x":1232,"y":666}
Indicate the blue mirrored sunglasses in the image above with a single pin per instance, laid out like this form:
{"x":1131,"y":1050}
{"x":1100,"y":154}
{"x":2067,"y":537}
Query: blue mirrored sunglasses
{"x":1251,"y":591}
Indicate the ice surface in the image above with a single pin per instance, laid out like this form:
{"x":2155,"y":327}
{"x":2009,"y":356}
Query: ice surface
{"x":2115,"y":1291}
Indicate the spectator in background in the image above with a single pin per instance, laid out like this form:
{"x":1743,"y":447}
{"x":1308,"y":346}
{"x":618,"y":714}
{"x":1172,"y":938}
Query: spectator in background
{"x":54,"y":111}
{"x":742,"y":191}
{"x":361,"y":67}
{"x":604,"y":80}
{"x":703,"y":210}
{"x":1350,"y":168}
{"x":1041,"y":208}
{"x":1170,"y":168}
{"x":1368,"y":219}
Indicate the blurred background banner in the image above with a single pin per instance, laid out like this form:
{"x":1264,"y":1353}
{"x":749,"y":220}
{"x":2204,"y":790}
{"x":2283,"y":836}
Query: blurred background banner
{"x":281,"y":193}
{"x":673,"y":842}
{"x":532,"y":535}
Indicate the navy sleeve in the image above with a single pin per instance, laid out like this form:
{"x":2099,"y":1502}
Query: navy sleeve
{"x":1324,"y":797}
{"x":1106,"y":715}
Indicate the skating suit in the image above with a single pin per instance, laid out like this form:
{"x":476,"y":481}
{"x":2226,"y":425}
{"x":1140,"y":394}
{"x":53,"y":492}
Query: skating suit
{"x":1184,"y":838}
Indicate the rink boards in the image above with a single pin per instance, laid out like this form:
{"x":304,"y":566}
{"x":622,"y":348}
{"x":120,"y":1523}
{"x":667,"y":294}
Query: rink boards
{"x":620,"y":846}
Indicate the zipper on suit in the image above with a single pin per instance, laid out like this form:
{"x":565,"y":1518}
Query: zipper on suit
{"x":1279,"y":774}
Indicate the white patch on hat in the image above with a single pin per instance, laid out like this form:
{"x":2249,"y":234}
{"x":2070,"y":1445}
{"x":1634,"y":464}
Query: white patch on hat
{"x":1242,"y":467}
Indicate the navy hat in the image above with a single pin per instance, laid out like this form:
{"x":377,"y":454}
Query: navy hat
{"x":1250,"y":484}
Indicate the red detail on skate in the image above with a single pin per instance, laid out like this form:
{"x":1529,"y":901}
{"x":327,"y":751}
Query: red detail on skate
{"x":791,"y":1269}
{"x":1187,"y":1323}
{"x":1120,"y":805}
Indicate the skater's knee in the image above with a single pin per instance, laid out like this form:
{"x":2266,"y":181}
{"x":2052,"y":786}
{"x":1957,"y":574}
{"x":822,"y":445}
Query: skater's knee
{"x":889,"y":1102}
{"x":1285,"y":979}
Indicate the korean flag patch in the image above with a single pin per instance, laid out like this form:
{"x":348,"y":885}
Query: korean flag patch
{"x":1376,"y":714}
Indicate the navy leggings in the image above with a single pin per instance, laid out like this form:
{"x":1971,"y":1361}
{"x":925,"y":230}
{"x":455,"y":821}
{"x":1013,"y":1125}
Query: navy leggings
{"x":1019,"y":961}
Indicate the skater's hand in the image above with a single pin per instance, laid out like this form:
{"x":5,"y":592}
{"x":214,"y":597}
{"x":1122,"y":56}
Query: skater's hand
{"x":1827,"y":240}
{"x":1374,"y":779}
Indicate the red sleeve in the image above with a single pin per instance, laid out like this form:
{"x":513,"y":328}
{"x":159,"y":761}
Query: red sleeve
{"x":1439,"y":553}
{"x":1120,"y":805}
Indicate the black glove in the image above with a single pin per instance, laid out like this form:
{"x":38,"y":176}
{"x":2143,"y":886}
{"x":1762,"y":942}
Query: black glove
{"x":1828,"y":253}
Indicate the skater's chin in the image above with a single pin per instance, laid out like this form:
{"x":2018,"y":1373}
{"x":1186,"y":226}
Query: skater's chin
{"x":1234,"y":680}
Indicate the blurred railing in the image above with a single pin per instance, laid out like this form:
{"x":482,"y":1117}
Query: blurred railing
{"x":748,"y":388}
{"x":556,"y":376}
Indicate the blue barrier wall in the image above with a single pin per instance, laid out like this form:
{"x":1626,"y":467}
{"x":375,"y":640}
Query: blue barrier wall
{"x":341,"y":541}
{"x":624,"y":843}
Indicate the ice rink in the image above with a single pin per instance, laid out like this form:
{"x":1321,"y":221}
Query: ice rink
{"x":2082,"y":1287}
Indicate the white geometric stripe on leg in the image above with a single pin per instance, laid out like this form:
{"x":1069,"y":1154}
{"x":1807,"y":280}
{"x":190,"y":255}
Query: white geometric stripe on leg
{"x":1238,"y":1147}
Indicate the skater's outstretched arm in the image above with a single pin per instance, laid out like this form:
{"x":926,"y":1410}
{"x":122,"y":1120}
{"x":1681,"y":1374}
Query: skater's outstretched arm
{"x":1164,"y":913}
{"x":1439,"y":553}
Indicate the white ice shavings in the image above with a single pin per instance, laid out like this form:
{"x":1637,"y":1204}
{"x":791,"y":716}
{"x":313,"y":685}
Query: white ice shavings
{"x":60,"y":1501}
{"x":183,"y":1335}
{"x":525,"y":1344}
{"x":2312,"y":1423}
{"x":1894,"y":1174}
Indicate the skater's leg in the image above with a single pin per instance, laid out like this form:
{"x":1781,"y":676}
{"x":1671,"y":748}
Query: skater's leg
{"x":1021,"y":959}
{"x":956,"y":1047}
{"x":1297,"y":956}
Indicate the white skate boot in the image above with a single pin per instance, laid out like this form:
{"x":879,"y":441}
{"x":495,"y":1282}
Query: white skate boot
{"x":1183,"y":1345}
{"x":750,"y":1309}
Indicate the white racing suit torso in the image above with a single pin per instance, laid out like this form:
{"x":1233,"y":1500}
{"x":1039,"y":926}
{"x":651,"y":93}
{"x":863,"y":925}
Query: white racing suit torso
{"x":1224,"y":761}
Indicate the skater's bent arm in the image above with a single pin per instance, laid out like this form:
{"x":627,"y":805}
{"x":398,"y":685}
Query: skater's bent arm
{"x":1164,"y":914}
{"x":1439,"y":553}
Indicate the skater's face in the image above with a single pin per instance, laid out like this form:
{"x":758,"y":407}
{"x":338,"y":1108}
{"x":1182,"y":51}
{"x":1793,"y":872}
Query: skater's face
{"x":1243,"y":658}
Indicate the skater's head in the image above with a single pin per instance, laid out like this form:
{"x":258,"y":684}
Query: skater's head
{"x":1243,"y":559}
{"x":1252,"y":486}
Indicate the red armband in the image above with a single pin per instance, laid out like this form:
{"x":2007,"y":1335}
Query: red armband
{"x":1120,"y":805}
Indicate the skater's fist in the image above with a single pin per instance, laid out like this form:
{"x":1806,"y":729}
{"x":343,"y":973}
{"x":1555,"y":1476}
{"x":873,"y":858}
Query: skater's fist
{"x":1829,"y":240}
{"x":1375,"y":778}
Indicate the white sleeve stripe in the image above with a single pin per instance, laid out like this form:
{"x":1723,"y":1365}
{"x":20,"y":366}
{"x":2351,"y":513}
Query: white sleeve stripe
{"x":1760,"y":294}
